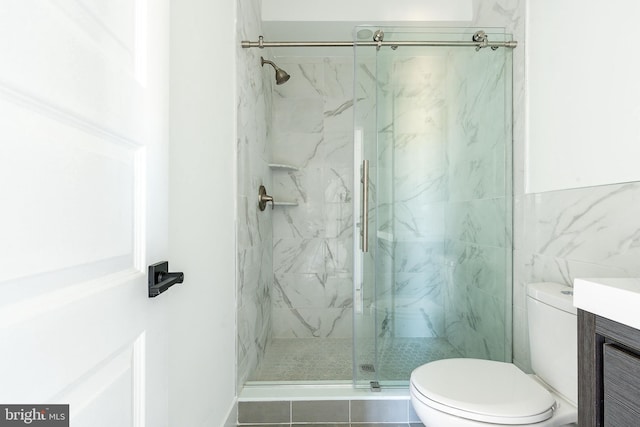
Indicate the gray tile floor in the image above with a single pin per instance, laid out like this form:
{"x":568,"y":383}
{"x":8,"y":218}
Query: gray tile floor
{"x":330,"y":359}
{"x":343,"y":413}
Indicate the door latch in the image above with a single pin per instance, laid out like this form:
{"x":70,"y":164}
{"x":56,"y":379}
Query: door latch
{"x":160,"y":279}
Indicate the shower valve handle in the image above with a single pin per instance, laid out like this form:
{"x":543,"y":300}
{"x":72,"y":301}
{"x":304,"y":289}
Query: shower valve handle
{"x":264,"y":198}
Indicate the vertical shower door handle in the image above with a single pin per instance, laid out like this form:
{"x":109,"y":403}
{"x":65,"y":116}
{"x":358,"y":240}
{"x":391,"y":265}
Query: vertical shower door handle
{"x":364,"y":215}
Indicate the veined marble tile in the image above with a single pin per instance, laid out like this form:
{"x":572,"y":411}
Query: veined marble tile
{"x":417,"y":256}
{"x":299,"y":290}
{"x":307,"y":79}
{"x":298,"y":115}
{"x":337,"y":150}
{"x":408,"y":318}
{"x":477,"y":172}
{"x":250,"y":272}
{"x":566,"y":224}
{"x":521,"y":277}
{"x":251,"y":340}
{"x":478,"y":221}
{"x":298,"y":255}
{"x":477,"y":151}
{"x":475,"y":324}
{"x":339,"y":255}
{"x":338,"y":219}
{"x":541,"y":268}
{"x":426,"y":70}
{"x":338,"y":77}
{"x":416,"y":220}
{"x":481,"y":267}
{"x":254,"y":235}
{"x":382,"y":258}
{"x":303,"y":186}
{"x":338,"y":185}
{"x":419,"y":167}
{"x":306,"y":220}
{"x":338,"y":114}
{"x":412,"y":290}
{"x":518,"y":222}
{"x":365,"y":95}
{"x":500,"y":13}
{"x":313,"y":291}
{"x":339,"y":290}
{"x":246,"y":232}
{"x":311,"y":322}
{"x":301,"y":150}
{"x":412,"y":115}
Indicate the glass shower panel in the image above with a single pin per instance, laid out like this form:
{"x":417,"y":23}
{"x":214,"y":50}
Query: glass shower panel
{"x":365,"y":142}
{"x":437,"y":278}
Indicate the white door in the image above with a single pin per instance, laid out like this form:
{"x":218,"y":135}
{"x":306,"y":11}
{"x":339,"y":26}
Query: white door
{"x":83,"y":207}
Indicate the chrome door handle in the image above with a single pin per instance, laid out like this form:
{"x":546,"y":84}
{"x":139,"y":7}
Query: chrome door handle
{"x":364,"y":215}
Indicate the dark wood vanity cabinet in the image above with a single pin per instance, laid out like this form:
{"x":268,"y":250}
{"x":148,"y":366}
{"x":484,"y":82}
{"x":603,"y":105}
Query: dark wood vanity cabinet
{"x":608,"y":372}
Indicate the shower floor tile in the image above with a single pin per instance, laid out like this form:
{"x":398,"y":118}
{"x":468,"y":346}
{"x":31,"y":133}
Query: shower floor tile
{"x":306,"y":359}
{"x":330,"y":359}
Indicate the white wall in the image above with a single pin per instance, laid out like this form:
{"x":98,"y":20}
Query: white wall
{"x":202,"y":212}
{"x":335,"y":19}
{"x":367,"y":10}
{"x":583,"y":91}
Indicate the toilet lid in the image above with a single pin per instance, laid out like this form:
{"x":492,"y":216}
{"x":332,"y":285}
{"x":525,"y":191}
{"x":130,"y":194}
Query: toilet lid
{"x":482,"y":390}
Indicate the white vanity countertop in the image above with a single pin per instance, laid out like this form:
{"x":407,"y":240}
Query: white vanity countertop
{"x":615,"y":299}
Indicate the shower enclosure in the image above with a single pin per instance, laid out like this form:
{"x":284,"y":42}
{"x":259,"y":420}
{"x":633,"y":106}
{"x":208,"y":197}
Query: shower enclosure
{"x":429,"y":207}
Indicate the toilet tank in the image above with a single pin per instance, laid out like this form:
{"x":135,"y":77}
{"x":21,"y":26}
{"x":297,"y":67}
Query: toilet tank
{"x":553,"y":337}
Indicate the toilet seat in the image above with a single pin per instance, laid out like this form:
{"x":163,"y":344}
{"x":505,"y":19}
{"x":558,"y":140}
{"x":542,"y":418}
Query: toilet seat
{"x":482,"y":390}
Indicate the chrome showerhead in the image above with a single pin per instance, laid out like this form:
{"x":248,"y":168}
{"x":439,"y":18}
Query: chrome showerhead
{"x":281,"y":75}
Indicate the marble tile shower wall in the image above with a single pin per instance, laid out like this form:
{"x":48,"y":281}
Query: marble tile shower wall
{"x":510,"y":14}
{"x":412,"y":189}
{"x":478,"y":209}
{"x":442,"y":147}
{"x":312,"y":242}
{"x":254,"y":232}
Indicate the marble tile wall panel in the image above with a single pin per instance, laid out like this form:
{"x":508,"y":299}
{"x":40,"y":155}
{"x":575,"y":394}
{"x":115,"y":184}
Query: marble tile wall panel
{"x":420,"y":167}
{"x":254,"y":232}
{"x":313,"y":241}
{"x":477,"y":266}
{"x":585,"y":232}
{"x":510,"y":14}
{"x":412,"y":187}
{"x":566,"y":223}
{"x":477,"y":213}
{"x":481,"y":222}
{"x":414,"y":153}
{"x":478,"y":158}
{"x":476,"y":322}
{"x":409,"y":281}
{"x":366,"y":86}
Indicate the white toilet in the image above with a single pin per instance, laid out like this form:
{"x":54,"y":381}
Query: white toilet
{"x":483,"y":393}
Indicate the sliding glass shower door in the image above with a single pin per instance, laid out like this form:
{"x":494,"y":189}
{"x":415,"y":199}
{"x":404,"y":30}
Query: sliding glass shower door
{"x":433,"y":150}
